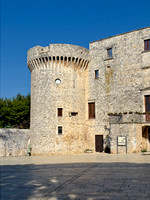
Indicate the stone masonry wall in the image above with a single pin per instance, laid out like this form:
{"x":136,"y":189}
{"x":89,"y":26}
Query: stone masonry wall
{"x":122,"y":84}
{"x":69,"y":64}
{"x":14,"y":142}
{"x":122,"y":78}
{"x":134,"y":137}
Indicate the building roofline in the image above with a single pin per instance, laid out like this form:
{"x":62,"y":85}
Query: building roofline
{"x":120,"y":34}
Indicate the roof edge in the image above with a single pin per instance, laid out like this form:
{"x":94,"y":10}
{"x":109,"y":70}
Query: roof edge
{"x":120,"y":34}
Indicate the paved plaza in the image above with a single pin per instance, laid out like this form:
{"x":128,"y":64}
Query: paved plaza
{"x":84,"y":176}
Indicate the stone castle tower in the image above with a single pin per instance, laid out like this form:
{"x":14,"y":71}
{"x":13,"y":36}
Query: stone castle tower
{"x":96,"y":99}
{"x":58,"y":96}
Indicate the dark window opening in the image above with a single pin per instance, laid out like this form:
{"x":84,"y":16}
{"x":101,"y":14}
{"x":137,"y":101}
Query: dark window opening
{"x":109,"y":52}
{"x":59,"y":130}
{"x":147,"y":45}
{"x":147,"y":107}
{"x":96,"y":74}
{"x":60,"y":112}
{"x":91,"y":110}
{"x":74,"y":113}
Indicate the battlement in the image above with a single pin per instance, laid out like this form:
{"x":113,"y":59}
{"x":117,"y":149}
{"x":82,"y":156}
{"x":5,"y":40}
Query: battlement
{"x":57,"y":54}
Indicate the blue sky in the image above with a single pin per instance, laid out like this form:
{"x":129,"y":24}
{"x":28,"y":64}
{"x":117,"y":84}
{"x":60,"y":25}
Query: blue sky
{"x":27,"y":23}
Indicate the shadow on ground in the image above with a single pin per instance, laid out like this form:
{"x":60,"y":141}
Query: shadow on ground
{"x":76,"y":181}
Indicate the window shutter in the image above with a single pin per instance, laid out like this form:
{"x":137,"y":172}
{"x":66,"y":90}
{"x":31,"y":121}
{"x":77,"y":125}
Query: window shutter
{"x":91,"y":110}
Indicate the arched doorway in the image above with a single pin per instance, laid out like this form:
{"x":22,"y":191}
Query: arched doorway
{"x":146,"y":138}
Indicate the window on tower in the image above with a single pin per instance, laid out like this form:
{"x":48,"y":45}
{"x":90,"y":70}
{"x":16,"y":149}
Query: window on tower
{"x":60,"y":112}
{"x":91,"y":106}
{"x":59,"y":130}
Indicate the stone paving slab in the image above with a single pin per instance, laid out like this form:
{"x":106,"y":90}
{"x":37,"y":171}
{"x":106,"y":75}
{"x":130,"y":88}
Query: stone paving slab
{"x":83,"y":176}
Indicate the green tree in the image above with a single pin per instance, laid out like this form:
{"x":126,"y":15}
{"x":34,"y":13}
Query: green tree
{"x":15,"y":112}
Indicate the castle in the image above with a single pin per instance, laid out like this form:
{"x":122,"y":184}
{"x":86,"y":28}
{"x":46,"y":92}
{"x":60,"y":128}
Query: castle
{"x":96,"y":99}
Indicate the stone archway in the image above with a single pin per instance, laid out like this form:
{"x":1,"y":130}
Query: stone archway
{"x":146,"y":138}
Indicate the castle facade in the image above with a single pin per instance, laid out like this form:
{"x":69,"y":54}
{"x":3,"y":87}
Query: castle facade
{"x":96,"y":99}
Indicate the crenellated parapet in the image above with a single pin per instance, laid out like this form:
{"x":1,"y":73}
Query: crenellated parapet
{"x":58,"y":55}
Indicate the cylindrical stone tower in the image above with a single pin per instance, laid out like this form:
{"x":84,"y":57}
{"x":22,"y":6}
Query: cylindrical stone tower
{"x":58,"y":98}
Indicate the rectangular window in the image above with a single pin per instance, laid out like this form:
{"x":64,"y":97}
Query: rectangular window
{"x":147,"y":45}
{"x":59,"y":130}
{"x":147,"y":107}
{"x":60,"y":112}
{"x":109,"y":53}
{"x":96,"y":74}
{"x":91,"y":110}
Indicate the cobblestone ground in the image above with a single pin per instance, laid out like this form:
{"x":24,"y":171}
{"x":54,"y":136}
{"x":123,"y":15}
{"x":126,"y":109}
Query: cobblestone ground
{"x":84,"y":176}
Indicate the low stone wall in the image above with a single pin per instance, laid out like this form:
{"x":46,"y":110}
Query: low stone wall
{"x":14,"y":142}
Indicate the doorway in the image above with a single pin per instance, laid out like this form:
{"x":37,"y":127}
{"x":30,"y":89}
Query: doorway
{"x":148,"y":132}
{"x":146,"y":138}
{"x":99,"y":143}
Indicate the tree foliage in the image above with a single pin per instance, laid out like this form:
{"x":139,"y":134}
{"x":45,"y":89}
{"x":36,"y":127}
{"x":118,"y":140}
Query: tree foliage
{"x":15,"y":112}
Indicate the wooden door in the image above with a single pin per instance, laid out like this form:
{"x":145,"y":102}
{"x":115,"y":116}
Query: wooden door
{"x":99,"y":143}
{"x":147,"y":107}
{"x":148,"y":131}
